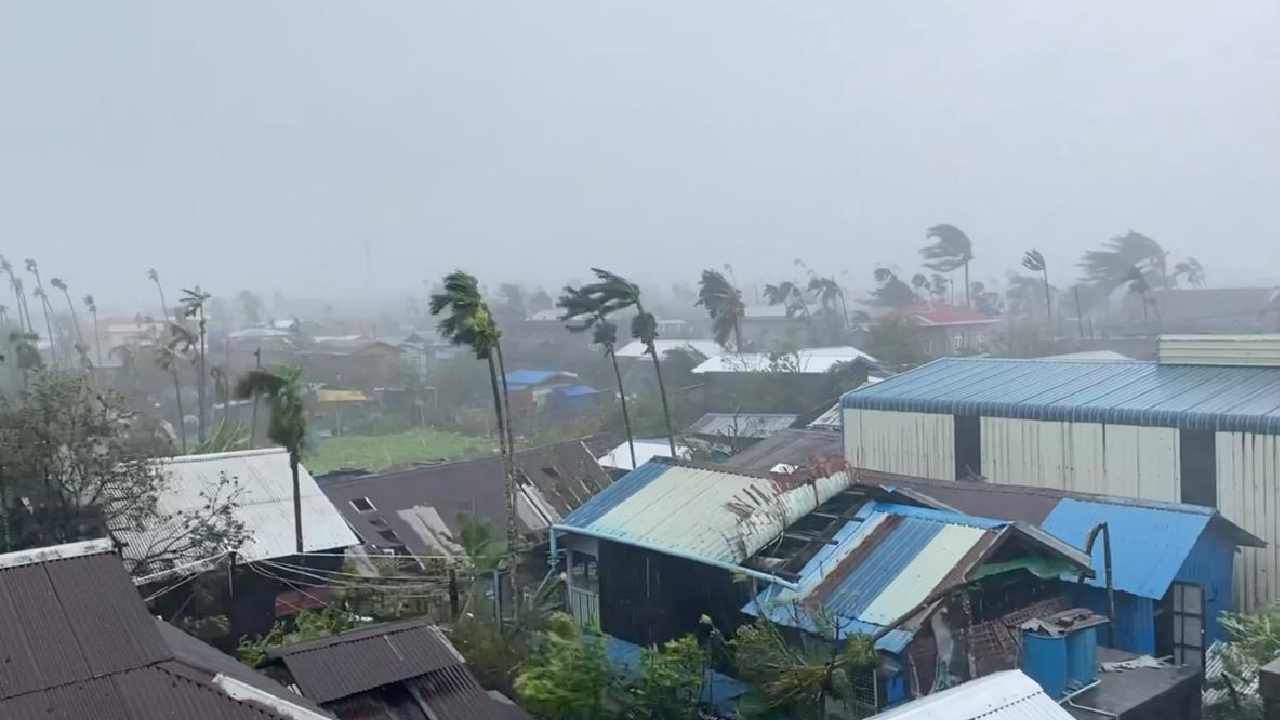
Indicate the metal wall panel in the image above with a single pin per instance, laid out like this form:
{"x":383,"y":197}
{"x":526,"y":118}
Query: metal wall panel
{"x":906,"y":443}
{"x":1248,"y":483}
{"x":1125,"y":460}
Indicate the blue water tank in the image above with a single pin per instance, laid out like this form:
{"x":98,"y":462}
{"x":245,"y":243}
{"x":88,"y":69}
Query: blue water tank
{"x":1044,"y":659}
{"x":1082,"y":657}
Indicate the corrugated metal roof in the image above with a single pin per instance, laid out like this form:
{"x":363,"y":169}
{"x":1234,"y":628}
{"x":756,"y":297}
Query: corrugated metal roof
{"x":1147,"y":548}
{"x":1245,"y":399}
{"x":534,"y":377}
{"x":366,"y":658}
{"x":1234,"y":350}
{"x":792,"y":447}
{"x":620,"y":456}
{"x":265,"y":505}
{"x":806,"y":360}
{"x":712,"y":515}
{"x":637,"y":349}
{"x":1006,"y":695}
{"x":744,"y":425}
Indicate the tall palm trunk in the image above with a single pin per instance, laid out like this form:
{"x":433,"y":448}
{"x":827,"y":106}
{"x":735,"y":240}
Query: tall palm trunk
{"x":200,"y":387}
{"x":75,"y":317}
{"x":1048,"y":306}
{"x":47,"y":310}
{"x":506,"y":401}
{"x":97,"y":337}
{"x":509,"y":474}
{"x":967,"y":301}
{"x":294,"y":461}
{"x":182,"y":417}
{"x":737,"y":333}
{"x":164,"y":308}
{"x":662,"y":391}
{"x":622,"y":397}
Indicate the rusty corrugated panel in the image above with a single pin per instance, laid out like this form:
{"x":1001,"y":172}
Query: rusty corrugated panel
{"x":360,"y":660}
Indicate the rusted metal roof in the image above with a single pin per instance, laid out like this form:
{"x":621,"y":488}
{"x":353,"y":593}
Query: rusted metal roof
{"x":76,"y":638}
{"x":366,"y":658}
{"x":703,"y":513}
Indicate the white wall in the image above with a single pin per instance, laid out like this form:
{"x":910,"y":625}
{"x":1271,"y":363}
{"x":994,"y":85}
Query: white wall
{"x":1248,"y":481}
{"x":1125,"y":460}
{"x":906,"y":443}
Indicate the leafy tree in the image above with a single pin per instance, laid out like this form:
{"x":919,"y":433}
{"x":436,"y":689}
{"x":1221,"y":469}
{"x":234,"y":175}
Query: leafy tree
{"x":305,"y":626}
{"x":950,"y":250}
{"x":1033,"y":260}
{"x":724,"y":304}
{"x":288,"y":425}
{"x":894,"y":340}
{"x":891,"y":292}
{"x":612,"y":293}
{"x":828,"y":291}
{"x":1110,"y":267}
{"x":568,"y":677}
{"x":1192,"y":270}
{"x":790,"y":296}
{"x":484,"y":549}
{"x":670,"y":682}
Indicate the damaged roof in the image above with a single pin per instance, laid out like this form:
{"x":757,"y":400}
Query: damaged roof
{"x":419,"y":508}
{"x":75,"y":634}
{"x":705,"y":513}
{"x":753,"y":426}
{"x":889,"y":558}
{"x":791,"y":446}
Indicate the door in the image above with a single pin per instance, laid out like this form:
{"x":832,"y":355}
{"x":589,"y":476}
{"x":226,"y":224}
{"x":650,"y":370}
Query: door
{"x":1180,"y":624}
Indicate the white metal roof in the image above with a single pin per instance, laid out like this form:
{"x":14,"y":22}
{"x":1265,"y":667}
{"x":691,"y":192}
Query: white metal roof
{"x":1006,"y":695}
{"x":265,"y":504}
{"x":755,"y":426}
{"x":636,"y":349}
{"x":646,"y":450}
{"x":807,"y":360}
{"x":1250,"y":350}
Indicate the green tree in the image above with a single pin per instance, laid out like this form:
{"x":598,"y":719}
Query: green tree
{"x":724,"y":304}
{"x":891,"y":291}
{"x":950,"y":250}
{"x":1033,"y":260}
{"x":568,"y":677}
{"x":612,"y":293}
{"x":287,"y":426}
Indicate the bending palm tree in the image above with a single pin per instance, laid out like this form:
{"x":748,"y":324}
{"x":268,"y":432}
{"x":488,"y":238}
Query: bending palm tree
{"x":81,"y":348}
{"x":1034,"y":261}
{"x":193,"y":302}
{"x":605,"y":334}
{"x":724,"y":304}
{"x":167,"y":358}
{"x":97,"y":337}
{"x":612,"y":293}
{"x":828,"y":291}
{"x":45,"y":307}
{"x":789,"y":295}
{"x":951,"y":251}
{"x":469,"y":322}
{"x":1192,"y":269}
{"x":154,"y":277}
{"x":15,"y":284}
{"x":288,"y":424}
{"x":1110,"y":267}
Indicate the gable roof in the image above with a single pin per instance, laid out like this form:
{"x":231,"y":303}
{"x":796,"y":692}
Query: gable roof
{"x":75,"y":634}
{"x":889,"y":558}
{"x":522,"y":378}
{"x":1127,"y":393}
{"x":646,"y":449}
{"x":1005,"y":695}
{"x":421,"y":505}
{"x":1150,"y":539}
{"x":705,"y":513}
{"x":265,"y":505}
{"x":791,"y":446}
{"x":929,"y":314}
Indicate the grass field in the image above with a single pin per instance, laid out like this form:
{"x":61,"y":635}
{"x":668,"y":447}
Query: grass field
{"x":375,"y":452}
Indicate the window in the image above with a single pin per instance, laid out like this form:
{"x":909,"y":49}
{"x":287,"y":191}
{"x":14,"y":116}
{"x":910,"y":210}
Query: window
{"x":585,"y":573}
{"x":362,"y":504}
{"x":1199,"y":467}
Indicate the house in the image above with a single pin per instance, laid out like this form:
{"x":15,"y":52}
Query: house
{"x":729,"y":433}
{"x":618,"y":458}
{"x":77,"y":641}
{"x":796,"y":381}
{"x":531,"y":391}
{"x":917,"y":580}
{"x":1170,"y":562}
{"x":636,"y":350}
{"x":951,"y":329}
{"x":418,"y":511}
{"x":1197,"y":426}
{"x":352,"y":361}
{"x":261,"y":483}
{"x":404,"y":670}
{"x":648,"y":556}
{"x":769,"y":325}
{"x":1006,"y":695}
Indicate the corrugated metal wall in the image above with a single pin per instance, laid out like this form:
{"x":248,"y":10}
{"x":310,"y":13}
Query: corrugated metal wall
{"x":1248,"y":483}
{"x":1084,"y":457}
{"x":907,"y":443}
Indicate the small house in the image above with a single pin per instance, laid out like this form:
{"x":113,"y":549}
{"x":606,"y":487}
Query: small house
{"x":797,"y":381}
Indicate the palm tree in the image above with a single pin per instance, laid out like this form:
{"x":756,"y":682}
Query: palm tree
{"x":469,"y":322}
{"x":1138,"y":285}
{"x":81,"y":348}
{"x":154,"y":277}
{"x":920,"y":284}
{"x":45,"y":307}
{"x":1033,"y":260}
{"x":828,"y":291}
{"x":611,"y":293}
{"x":193,"y":303}
{"x":92,"y":306}
{"x":288,"y":424}
{"x":724,"y":304}
{"x":1110,"y":267}
{"x":951,"y":250}
{"x":789,"y":295}
{"x":1193,"y":271}
{"x":15,"y":284}
{"x":167,"y":357}
{"x":605,"y":334}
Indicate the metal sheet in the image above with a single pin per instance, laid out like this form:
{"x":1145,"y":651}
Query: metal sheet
{"x":1248,"y":477}
{"x":918,"y":444}
{"x":807,"y":360}
{"x":1006,"y":695}
{"x":923,"y":574}
{"x":1126,"y":393}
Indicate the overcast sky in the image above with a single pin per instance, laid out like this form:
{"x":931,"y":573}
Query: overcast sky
{"x":321,"y":148}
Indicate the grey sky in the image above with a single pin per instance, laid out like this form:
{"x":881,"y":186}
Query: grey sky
{"x":262,"y":145}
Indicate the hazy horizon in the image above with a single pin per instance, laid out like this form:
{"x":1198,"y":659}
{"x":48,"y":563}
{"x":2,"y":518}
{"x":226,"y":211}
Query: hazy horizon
{"x":356,"y":150}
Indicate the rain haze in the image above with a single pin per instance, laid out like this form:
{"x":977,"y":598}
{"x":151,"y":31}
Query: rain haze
{"x":358,"y":149}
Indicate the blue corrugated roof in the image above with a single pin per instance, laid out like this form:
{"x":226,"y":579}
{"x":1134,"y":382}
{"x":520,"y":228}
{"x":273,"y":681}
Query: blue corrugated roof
{"x":614,"y":495}
{"x":532,"y":377}
{"x":1148,"y":545}
{"x":1196,"y":397}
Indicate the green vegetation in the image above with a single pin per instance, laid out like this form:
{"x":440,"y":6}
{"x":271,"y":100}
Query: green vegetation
{"x":377,"y":452}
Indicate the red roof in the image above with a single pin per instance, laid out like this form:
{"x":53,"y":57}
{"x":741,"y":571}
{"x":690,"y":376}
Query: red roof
{"x":931,"y":314}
